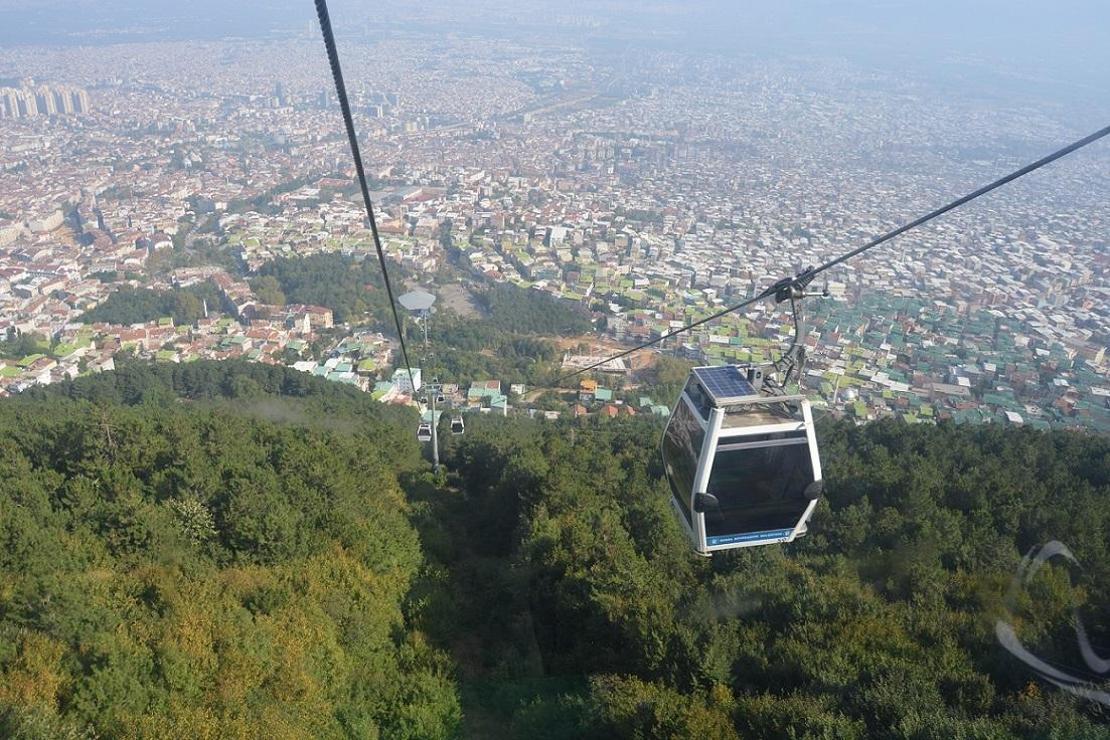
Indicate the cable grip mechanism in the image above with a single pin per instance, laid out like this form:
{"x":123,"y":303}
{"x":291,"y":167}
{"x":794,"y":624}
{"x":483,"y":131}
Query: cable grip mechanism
{"x":793,"y":288}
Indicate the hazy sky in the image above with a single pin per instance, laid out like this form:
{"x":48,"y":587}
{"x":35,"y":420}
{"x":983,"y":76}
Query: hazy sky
{"x":1062,"y":43}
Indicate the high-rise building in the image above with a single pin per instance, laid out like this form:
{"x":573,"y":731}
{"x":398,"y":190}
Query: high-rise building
{"x":44,"y":97}
{"x":9,"y":103}
{"x":64,"y":96}
{"x":81,"y":101}
{"x":28,"y":107}
{"x":42,"y":100}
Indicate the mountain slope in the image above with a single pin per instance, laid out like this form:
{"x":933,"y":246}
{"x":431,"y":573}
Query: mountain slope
{"x":188,"y":569}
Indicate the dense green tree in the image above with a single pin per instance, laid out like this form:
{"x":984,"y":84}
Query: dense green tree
{"x":879,"y":624}
{"x":268,"y":290}
{"x":218,"y":549}
{"x":528,"y":311}
{"x":16,"y":348}
{"x":469,"y":350}
{"x":226,"y":568}
{"x":141,"y":305}
{"x":351,"y":288}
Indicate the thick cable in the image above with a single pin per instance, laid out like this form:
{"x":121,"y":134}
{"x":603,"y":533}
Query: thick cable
{"x":345,"y":106}
{"x":808,"y":275}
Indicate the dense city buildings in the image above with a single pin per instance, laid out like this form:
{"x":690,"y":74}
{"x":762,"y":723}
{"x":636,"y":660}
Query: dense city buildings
{"x":651,"y":190}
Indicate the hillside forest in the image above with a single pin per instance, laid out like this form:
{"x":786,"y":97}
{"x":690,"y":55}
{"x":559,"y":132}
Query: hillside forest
{"x":235,"y":550}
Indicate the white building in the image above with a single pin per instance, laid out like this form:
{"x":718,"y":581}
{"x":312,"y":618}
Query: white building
{"x":401,"y":380}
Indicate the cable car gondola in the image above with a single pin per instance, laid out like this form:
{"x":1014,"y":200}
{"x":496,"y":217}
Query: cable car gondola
{"x":743,"y":465}
{"x":457,"y":425}
{"x":424,"y":432}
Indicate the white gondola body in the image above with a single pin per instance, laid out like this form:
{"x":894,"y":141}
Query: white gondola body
{"x":755,"y":454}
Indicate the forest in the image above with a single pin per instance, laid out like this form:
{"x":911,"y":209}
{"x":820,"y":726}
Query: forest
{"x":350,"y":288}
{"x":510,"y":341}
{"x":879,"y":624}
{"x":141,"y":305}
{"x":226,"y":549}
{"x":527,"y":311}
{"x":178,"y":566}
{"x":471,"y":349}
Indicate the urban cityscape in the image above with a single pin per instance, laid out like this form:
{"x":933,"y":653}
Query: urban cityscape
{"x":554,"y":369}
{"x":649,"y":192}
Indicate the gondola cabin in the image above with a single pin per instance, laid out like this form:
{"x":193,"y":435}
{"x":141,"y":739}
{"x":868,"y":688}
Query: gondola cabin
{"x":457,"y":425}
{"x":742,"y":465}
{"x":424,"y":432}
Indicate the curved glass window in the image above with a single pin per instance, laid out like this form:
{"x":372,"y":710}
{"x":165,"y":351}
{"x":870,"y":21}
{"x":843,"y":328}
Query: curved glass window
{"x":681,"y":448}
{"x":699,"y":398}
{"x":761,"y":490}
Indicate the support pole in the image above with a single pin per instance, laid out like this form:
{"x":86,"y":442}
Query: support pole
{"x":435,"y":430}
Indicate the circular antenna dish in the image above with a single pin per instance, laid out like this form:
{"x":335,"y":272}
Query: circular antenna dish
{"x":417,"y":300}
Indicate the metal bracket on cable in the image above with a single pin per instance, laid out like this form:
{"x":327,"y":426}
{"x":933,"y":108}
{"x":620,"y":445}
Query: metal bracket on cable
{"x":795,"y":287}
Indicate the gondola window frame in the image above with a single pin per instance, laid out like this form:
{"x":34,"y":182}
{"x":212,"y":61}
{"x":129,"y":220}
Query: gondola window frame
{"x":805,"y":424}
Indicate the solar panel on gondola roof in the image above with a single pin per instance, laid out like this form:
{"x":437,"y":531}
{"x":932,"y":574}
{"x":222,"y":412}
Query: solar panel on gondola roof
{"x":725,"y":381}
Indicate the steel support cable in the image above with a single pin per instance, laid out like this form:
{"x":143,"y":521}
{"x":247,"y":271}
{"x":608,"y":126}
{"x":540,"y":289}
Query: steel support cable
{"x":803,"y":278}
{"x":345,"y":106}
